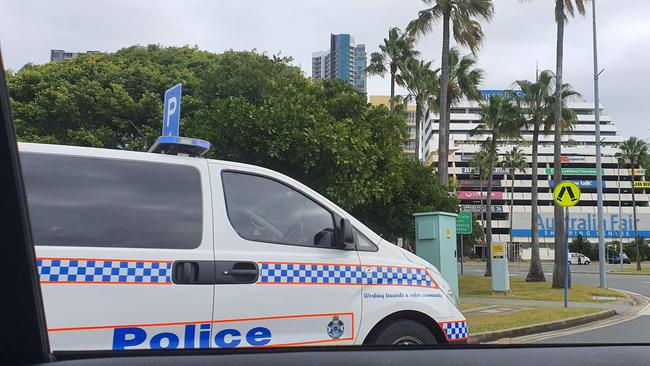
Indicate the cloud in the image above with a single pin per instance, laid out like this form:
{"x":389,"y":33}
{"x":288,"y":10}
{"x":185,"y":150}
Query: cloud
{"x":521,"y":36}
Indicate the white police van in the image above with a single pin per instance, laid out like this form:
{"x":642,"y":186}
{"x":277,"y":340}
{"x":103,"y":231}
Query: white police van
{"x":141,"y":250}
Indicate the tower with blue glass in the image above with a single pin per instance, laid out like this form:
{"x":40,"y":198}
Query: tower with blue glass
{"x":343,"y":61}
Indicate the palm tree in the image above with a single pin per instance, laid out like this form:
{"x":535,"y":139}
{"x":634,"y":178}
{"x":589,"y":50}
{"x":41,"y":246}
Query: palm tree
{"x":464,"y":80}
{"x":501,"y":120}
{"x":634,"y":151}
{"x":458,"y":17}
{"x":397,"y":49}
{"x":421,"y":82}
{"x":537,"y":101}
{"x":514,"y":160}
{"x":563,"y":9}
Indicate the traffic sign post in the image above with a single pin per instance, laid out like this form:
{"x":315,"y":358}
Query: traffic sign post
{"x":463,"y":226}
{"x":566,"y":194}
{"x":172,"y":111}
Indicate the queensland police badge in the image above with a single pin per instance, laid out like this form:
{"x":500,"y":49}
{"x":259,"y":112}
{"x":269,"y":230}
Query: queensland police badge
{"x":335,"y":328}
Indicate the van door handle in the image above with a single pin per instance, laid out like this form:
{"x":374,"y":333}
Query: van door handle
{"x":236,"y":272}
{"x":193,"y":272}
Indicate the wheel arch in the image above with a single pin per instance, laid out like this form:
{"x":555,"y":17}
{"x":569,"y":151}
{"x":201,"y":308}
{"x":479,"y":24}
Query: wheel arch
{"x":422,"y":318}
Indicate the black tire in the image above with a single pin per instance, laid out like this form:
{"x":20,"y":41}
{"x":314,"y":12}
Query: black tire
{"x":587,"y":263}
{"x":404,"y":332}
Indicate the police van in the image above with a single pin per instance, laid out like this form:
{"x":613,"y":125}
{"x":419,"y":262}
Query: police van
{"x":157,"y":251}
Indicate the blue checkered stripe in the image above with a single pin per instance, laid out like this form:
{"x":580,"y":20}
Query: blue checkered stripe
{"x":455,"y":330}
{"x":318,"y":274}
{"x":62,"y":270}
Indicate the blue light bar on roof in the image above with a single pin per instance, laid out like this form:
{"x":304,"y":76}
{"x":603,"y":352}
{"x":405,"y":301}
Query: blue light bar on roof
{"x":176,"y":145}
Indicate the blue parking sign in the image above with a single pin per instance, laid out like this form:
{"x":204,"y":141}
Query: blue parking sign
{"x":172,"y":111}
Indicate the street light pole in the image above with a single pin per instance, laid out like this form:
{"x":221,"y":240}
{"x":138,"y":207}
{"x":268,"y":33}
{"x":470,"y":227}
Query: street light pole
{"x":620,"y":215}
{"x":599,"y":173}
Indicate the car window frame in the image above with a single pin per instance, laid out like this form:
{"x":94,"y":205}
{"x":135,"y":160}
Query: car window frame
{"x":335,"y":217}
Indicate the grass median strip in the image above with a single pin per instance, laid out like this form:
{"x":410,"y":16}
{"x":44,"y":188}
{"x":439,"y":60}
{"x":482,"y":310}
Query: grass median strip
{"x":479,"y":286}
{"x":480,"y":322}
{"x":632,"y":271}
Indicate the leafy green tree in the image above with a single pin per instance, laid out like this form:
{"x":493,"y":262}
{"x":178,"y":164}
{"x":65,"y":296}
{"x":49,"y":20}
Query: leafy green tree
{"x":254,"y":109}
{"x":537,"y":101}
{"x":397,"y":51}
{"x":580,"y":244}
{"x":422,"y":83}
{"x":420,"y":191}
{"x":635,"y":152}
{"x":500,"y":120}
{"x":104,"y":100}
{"x":472,"y":240}
{"x":637,"y":249}
{"x":459,"y":17}
{"x":514,"y":160}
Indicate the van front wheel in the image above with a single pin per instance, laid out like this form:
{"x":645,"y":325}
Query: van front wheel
{"x":404,"y":332}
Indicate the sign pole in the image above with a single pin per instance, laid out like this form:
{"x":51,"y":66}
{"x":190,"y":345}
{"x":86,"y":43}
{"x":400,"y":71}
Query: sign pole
{"x":566,"y":259}
{"x":464,"y":225}
{"x":599,"y":171}
{"x":462,"y":255}
{"x":566,"y":194}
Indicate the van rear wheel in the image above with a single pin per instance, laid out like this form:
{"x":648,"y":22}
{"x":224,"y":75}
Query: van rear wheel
{"x":404,"y":332}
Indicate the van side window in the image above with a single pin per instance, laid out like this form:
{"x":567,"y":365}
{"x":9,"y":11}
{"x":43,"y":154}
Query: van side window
{"x":363,"y":243}
{"x":263,"y":209}
{"x":80,"y":201}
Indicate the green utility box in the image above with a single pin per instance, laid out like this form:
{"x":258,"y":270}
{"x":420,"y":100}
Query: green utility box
{"x":435,"y":242}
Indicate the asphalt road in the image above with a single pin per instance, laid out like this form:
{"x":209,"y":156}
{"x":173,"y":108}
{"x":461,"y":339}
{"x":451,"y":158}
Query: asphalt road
{"x":635,"y":330}
{"x":631,"y":331}
{"x":477,"y":267}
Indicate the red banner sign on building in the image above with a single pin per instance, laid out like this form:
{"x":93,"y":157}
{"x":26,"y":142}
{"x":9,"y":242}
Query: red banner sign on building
{"x":468,"y":195}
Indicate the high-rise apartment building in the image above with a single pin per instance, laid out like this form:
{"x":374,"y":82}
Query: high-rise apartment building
{"x":578,"y":165}
{"x":409,"y":143}
{"x":343,"y":61}
{"x":61,"y":55}
{"x":320,"y":65}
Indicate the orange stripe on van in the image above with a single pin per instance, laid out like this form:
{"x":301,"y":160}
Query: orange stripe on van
{"x":95,"y":327}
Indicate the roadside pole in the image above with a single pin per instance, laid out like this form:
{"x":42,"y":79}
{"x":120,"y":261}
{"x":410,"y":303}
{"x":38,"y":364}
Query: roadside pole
{"x":599,"y":166}
{"x":620,"y":216}
{"x":566,"y":194}
{"x":464,"y":225}
{"x":566,"y":259}
{"x":462,"y":255}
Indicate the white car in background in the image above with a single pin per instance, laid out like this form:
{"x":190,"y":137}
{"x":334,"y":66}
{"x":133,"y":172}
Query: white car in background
{"x":578,"y":258}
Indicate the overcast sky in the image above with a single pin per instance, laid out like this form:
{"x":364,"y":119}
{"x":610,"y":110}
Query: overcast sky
{"x":520,"y":36}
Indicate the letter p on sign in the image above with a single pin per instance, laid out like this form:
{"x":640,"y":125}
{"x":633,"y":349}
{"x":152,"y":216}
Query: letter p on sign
{"x":172,"y":111}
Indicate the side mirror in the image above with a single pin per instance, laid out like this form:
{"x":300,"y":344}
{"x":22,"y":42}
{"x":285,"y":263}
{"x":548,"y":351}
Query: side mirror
{"x":346,"y":236}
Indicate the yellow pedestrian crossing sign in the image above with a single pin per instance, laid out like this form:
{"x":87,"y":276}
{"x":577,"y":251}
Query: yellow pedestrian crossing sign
{"x":566,"y":194}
